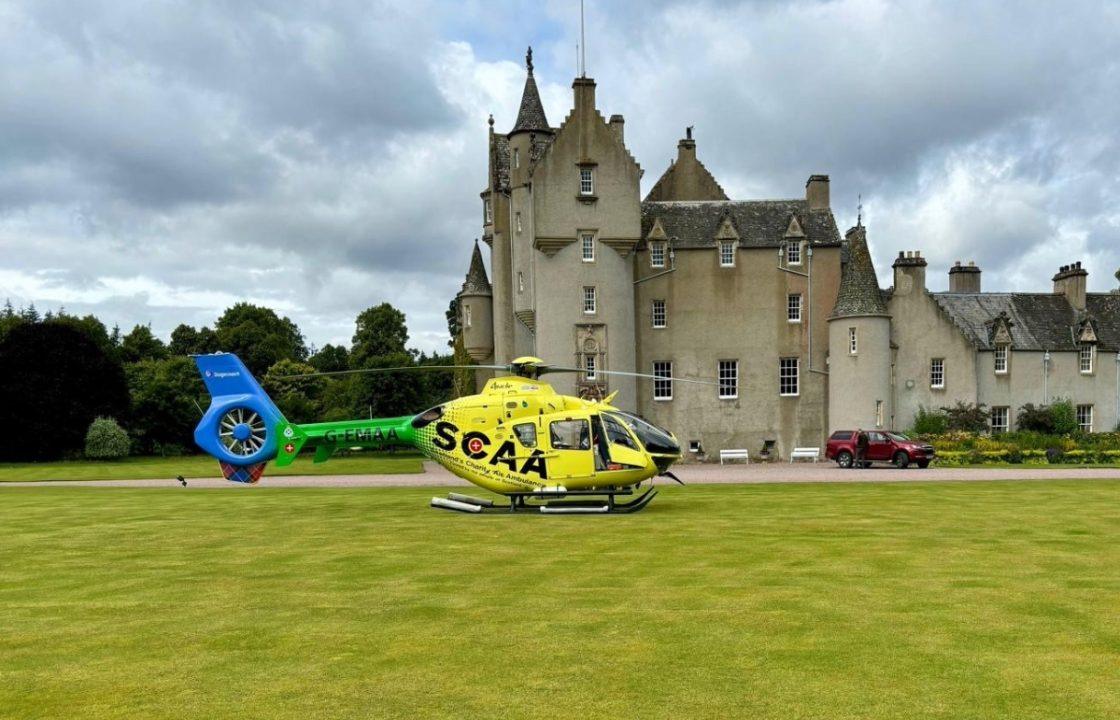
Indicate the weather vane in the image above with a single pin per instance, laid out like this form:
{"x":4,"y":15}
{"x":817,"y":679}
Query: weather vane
{"x":529,"y":59}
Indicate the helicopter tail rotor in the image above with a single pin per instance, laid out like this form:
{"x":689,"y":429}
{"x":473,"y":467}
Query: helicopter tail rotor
{"x":242,"y":428}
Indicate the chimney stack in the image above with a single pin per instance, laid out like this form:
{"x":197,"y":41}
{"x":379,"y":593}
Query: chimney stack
{"x":584,"y":88}
{"x":964,"y":278}
{"x":617,"y":123}
{"x":1070,"y":281}
{"x":909,"y":272}
{"x":816,"y":192}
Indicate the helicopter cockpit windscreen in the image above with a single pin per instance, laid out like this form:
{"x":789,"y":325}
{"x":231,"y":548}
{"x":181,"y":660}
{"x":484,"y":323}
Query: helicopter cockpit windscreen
{"x":655,"y":440}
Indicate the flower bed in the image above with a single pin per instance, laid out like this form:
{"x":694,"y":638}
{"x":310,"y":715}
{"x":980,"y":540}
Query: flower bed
{"x":960,"y":448}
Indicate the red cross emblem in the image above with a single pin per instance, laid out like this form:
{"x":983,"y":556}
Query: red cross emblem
{"x":289,"y":448}
{"x":474,"y":445}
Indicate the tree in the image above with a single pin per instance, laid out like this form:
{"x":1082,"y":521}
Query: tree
{"x":54,"y":380}
{"x":454,"y":327}
{"x":166,"y":397}
{"x":387,"y":394}
{"x":298,"y":398}
{"x":259,"y":337}
{"x":185,"y":340}
{"x":380,"y":331}
{"x":141,"y":344}
{"x":1035,"y":418}
{"x":332,"y":358}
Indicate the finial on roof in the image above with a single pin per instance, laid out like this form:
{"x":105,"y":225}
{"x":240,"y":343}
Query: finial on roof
{"x":491,"y":120}
{"x":529,"y":59}
{"x":688,"y":132}
{"x":859,"y":210}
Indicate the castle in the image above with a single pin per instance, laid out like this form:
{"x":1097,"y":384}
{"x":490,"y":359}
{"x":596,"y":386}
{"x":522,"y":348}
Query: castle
{"x":764,"y":297}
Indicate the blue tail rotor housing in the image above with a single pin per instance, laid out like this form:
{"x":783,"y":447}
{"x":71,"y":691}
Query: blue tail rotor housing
{"x":239,"y":427}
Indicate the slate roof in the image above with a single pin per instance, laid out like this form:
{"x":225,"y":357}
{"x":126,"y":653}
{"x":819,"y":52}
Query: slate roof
{"x":760,"y":223}
{"x":530,"y":118}
{"x":1039,"y":321}
{"x":476,"y":283}
{"x":499,"y":163}
{"x":859,"y":292}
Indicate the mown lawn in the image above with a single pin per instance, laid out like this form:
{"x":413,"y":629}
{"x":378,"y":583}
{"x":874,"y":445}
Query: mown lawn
{"x":942,"y":600}
{"x":195,"y":466}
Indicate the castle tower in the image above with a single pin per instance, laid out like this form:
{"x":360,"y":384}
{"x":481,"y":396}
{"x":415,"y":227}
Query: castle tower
{"x":859,"y":345}
{"x":476,"y":311}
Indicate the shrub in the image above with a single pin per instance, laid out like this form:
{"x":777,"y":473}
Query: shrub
{"x":1055,"y":455}
{"x":930,"y":422}
{"x":106,"y":440}
{"x":1036,"y":418}
{"x":967,"y":417}
{"x":1065,"y":417}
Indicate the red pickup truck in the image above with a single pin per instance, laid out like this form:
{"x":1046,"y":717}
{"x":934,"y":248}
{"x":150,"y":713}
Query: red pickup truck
{"x":882,"y":446}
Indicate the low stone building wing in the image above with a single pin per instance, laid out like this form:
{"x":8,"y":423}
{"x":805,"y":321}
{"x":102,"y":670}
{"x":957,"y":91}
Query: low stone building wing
{"x":1038,"y":321}
{"x":759,"y":223}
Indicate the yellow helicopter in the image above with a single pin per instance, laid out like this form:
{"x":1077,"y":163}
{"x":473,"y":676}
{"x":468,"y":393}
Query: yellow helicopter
{"x":545,"y":452}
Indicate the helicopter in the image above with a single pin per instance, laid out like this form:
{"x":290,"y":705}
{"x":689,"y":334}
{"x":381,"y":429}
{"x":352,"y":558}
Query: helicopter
{"x":542,"y":451}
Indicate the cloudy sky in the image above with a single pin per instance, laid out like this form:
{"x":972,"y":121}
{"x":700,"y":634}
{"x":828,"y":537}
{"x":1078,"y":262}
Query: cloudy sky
{"x":160,"y":161}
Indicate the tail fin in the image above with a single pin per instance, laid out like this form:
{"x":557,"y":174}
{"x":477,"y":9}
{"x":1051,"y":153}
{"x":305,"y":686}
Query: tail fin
{"x":242,"y":428}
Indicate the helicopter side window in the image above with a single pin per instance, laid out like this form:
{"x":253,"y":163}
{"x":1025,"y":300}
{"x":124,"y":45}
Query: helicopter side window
{"x":570,"y":435}
{"x":427,"y":417}
{"x":526,"y":434}
{"x":617,"y":433}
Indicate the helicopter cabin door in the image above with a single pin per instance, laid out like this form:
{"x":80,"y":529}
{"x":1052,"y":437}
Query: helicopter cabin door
{"x":572,"y":456}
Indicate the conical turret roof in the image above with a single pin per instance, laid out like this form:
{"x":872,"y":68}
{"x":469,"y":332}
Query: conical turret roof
{"x":859,"y":287}
{"x":530,"y":117}
{"x":476,"y":283}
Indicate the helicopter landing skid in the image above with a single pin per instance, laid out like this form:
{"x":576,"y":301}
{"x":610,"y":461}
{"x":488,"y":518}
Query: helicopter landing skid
{"x":598,"y":502}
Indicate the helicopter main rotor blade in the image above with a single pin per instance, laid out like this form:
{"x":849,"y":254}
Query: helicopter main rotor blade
{"x":393,"y":369}
{"x":698,"y":381}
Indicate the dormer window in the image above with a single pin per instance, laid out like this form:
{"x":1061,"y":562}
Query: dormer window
{"x":793,"y":253}
{"x":726,"y":253}
{"x":586,"y":181}
{"x":999,"y":359}
{"x":657,"y":254}
{"x":1086,"y":355}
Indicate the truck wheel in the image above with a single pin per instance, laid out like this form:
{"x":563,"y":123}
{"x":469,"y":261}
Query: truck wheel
{"x":844,"y":459}
{"x":901,"y":460}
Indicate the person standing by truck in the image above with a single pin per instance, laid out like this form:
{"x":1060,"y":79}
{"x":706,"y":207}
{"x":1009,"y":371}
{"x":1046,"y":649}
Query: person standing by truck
{"x":861,"y":449}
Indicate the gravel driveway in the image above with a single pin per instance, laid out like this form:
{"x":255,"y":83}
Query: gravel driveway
{"x":823,"y":472}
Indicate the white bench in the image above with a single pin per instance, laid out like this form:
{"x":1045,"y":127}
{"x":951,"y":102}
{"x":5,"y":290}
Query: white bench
{"x":733,"y":455}
{"x":813,"y":453}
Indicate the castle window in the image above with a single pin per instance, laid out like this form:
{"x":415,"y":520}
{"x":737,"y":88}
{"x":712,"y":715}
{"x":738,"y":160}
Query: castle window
{"x":937,"y":373}
{"x":727,"y":254}
{"x":1085,"y":358}
{"x":1000,"y":419}
{"x":853,"y":342}
{"x":879,"y":413}
{"x":657,"y":254}
{"x":487,"y":211}
{"x":516,"y":158}
{"x":517,"y":220}
{"x":520,"y":281}
{"x":587,"y":241}
{"x":589,"y":303}
{"x":662,"y":380}
{"x":589,"y":367}
{"x":999,"y":359}
{"x":466,"y":316}
{"x":659,"y":316}
{"x":1085,"y":418}
{"x":728,"y":375}
{"x":586,"y":181}
{"x":793,"y":308}
{"x":788,"y":376}
{"x":793,"y":253}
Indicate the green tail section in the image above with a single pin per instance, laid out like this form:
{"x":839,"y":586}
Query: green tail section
{"x":327,"y":438}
